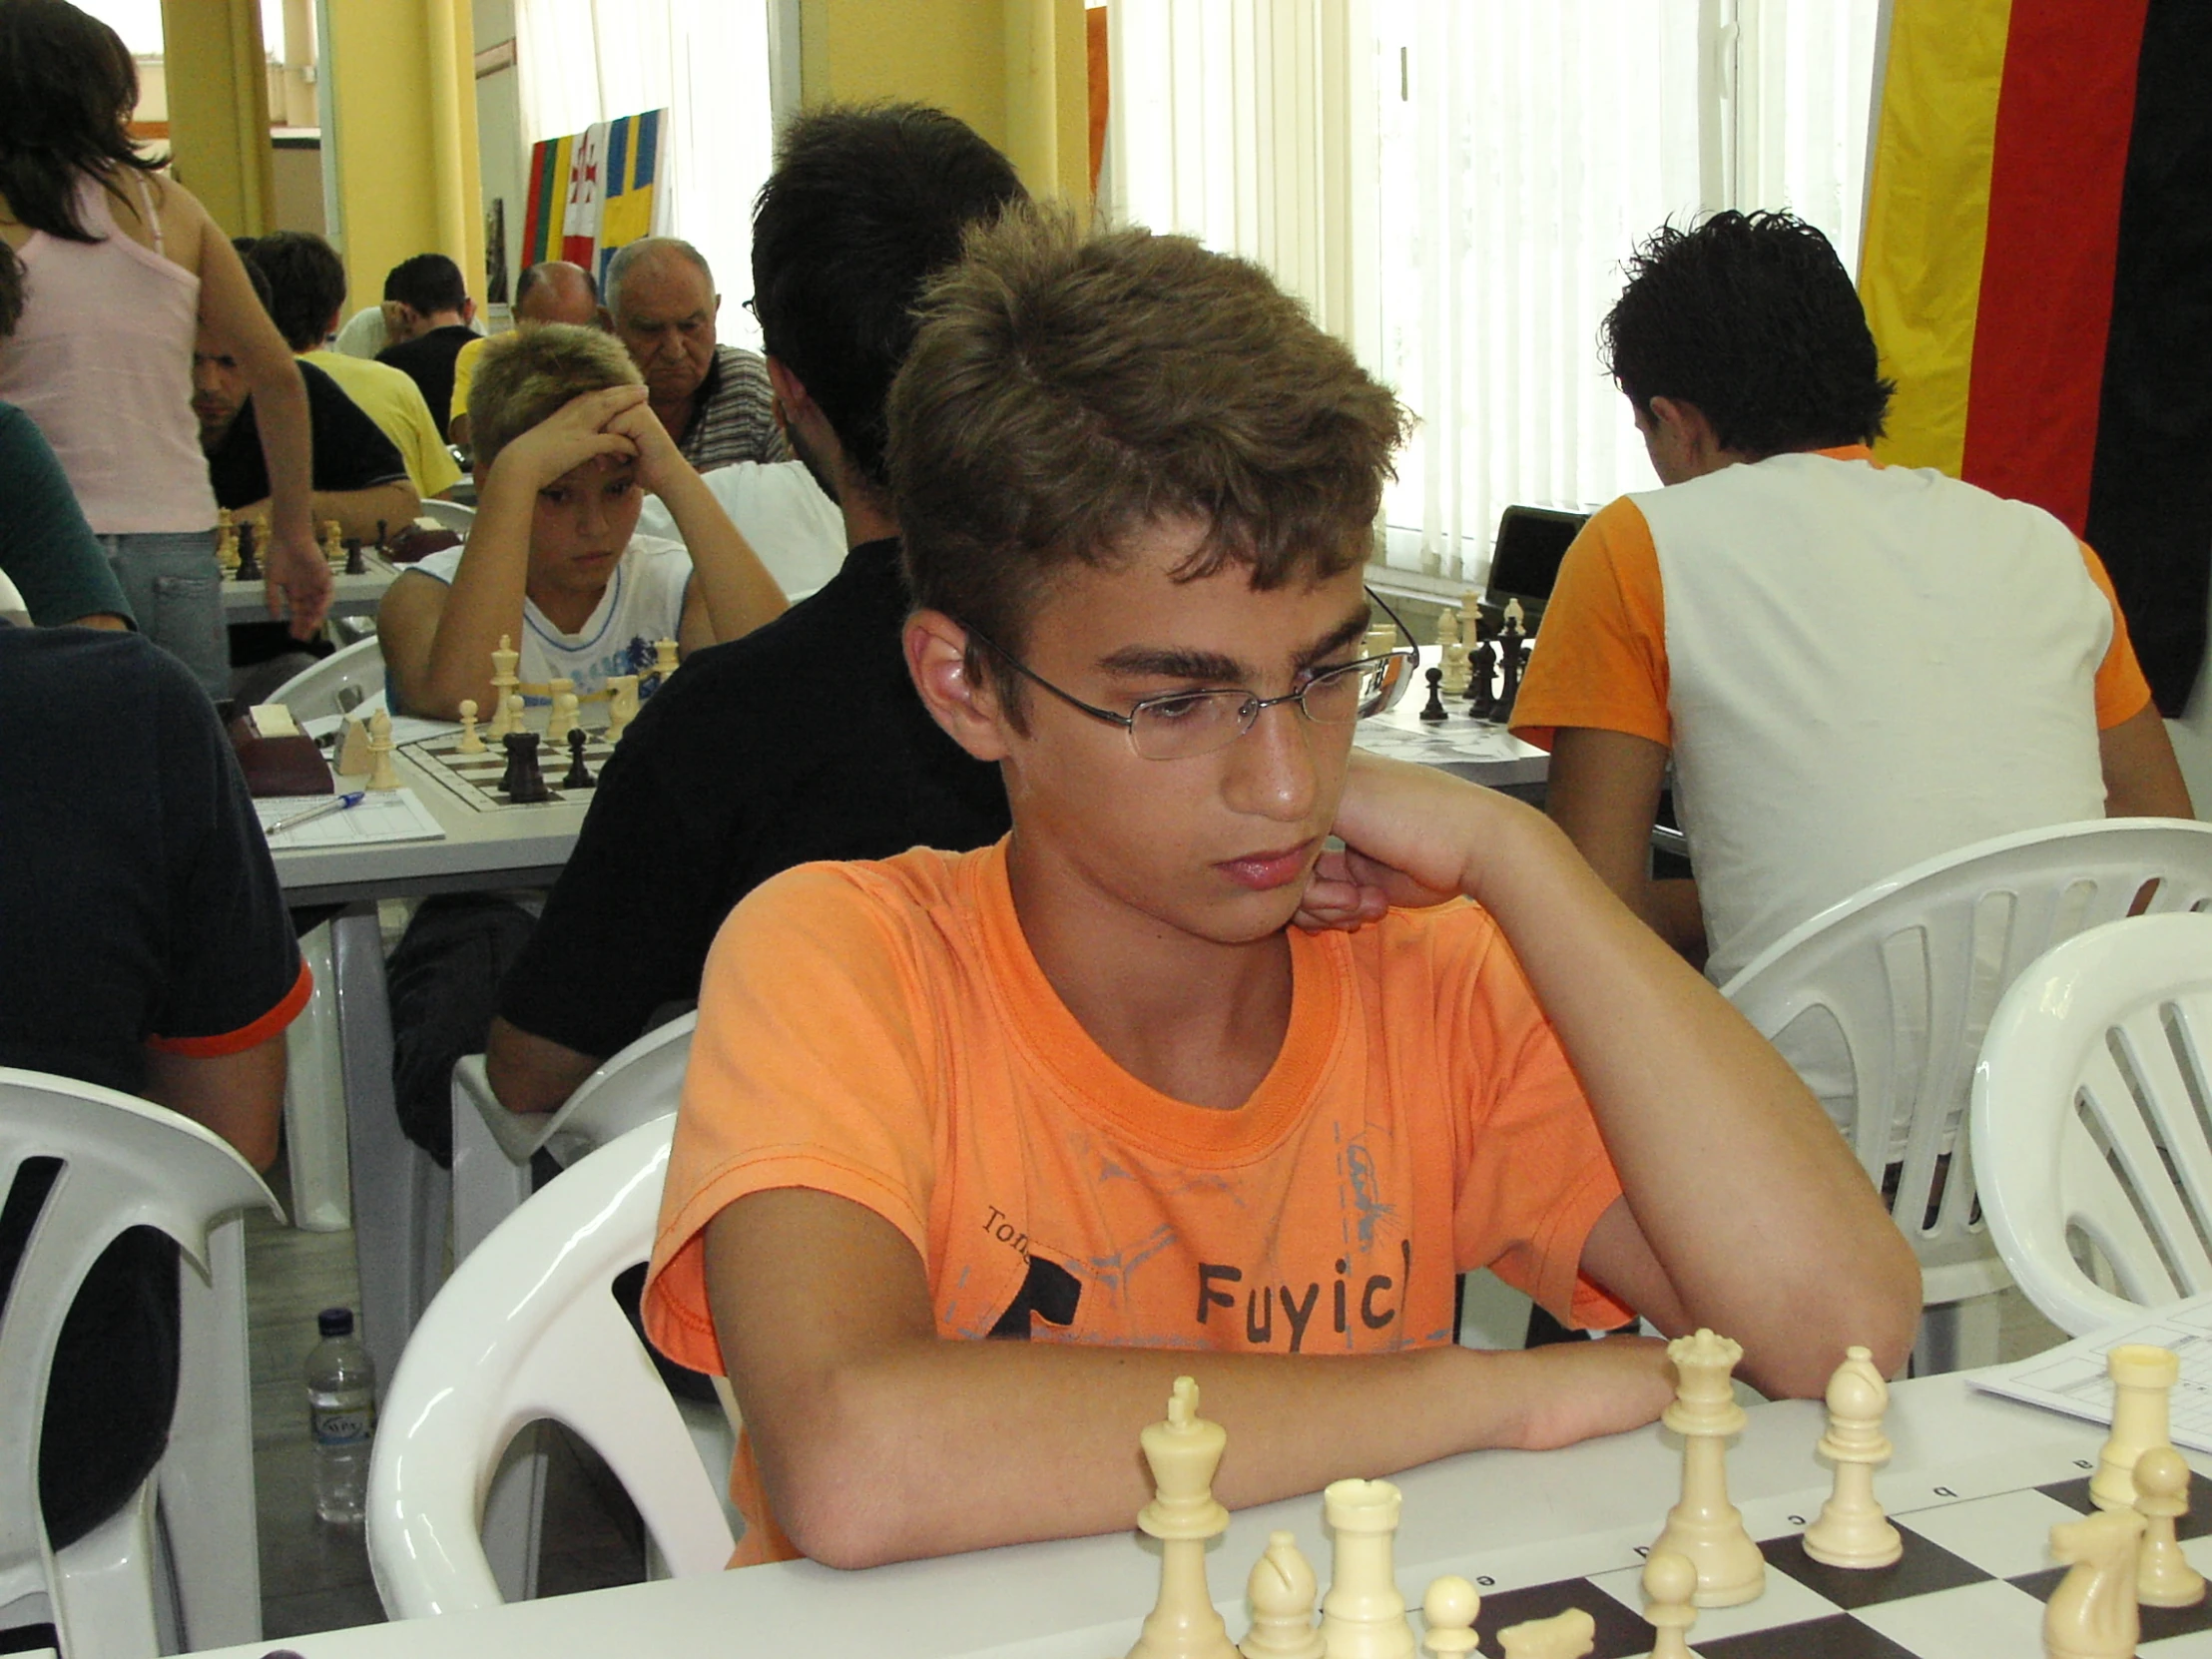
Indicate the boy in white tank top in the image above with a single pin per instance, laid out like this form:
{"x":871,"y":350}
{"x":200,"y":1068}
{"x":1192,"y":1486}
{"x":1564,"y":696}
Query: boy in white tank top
{"x":1851,"y":668}
{"x":566,"y":446}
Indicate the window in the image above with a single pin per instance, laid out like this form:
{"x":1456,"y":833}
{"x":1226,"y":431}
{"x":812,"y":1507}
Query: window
{"x":1454,"y":186}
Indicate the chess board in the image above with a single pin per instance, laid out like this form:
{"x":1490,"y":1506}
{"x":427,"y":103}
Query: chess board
{"x":473,"y":780}
{"x":1970,"y":1584}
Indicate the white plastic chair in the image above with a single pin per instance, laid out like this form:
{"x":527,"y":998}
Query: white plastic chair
{"x":127,"y":1164}
{"x":316,"y":692}
{"x":447,"y":515}
{"x":2090,"y":1122}
{"x":492,"y":1147}
{"x":1910,"y":972}
{"x":527,"y":1330}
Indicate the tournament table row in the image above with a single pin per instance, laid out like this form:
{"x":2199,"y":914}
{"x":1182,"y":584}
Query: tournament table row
{"x":1516,"y":1519}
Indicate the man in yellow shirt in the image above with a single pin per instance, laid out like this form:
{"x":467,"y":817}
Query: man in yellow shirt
{"x":554,"y":291}
{"x":306,"y":284}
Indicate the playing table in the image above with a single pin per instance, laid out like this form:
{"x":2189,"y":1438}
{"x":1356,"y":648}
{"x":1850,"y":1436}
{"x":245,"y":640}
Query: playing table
{"x":349,"y":595}
{"x":1517,"y":1519}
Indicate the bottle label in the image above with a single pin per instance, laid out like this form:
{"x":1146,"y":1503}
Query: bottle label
{"x":343,"y":1427}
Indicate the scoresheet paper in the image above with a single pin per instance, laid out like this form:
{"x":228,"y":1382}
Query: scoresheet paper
{"x":386,"y":815}
{"x":2073,"y":1378}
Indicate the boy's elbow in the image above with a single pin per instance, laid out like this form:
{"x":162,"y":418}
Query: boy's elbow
{"x":843,"y":1480}
{"x":1873,"y":1302}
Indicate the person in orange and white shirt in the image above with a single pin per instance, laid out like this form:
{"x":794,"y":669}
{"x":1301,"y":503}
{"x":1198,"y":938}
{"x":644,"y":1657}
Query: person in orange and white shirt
{"x":1163,"y":1083}
{"x":1852,"y":667}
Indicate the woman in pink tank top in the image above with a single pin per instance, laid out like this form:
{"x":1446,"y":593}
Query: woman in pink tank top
{"x":124,"y":272}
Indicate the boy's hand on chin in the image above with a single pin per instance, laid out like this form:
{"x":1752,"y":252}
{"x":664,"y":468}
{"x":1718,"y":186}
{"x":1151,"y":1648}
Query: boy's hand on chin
{"x":1395,"y":821}
{"x":580,"y":430}
{"x":660,"y":462}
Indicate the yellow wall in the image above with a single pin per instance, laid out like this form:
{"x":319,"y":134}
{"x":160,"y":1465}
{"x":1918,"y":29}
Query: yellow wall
{"x":404,"y":145}
{"x":1015,"y":69}
{"x":217,"y":96}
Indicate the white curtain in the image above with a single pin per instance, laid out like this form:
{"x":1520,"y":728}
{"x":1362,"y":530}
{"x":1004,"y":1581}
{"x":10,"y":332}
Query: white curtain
{"x":1454,"y":186}
{"x":703,"y":61}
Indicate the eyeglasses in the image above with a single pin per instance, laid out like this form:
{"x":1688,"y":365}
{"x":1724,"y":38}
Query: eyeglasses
{"x":1177,"y":725}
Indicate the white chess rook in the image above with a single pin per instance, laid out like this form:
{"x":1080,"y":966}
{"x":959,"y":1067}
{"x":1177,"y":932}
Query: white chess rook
{"x":1705,"y":1526}
{"x":1364,"y":1617}
{"x":1851,"y":1530}
{"x":2143,"y":1378}
{"x":1281,"y":1589}
{"x":1183,"y":1451}
{"x":2092,"y":1614}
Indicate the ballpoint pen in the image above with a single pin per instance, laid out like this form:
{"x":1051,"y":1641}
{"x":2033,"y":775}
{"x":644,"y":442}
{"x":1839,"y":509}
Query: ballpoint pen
{"x":336,"y":805}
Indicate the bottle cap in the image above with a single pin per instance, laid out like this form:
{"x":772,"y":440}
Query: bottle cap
{"x":334,"y":1322}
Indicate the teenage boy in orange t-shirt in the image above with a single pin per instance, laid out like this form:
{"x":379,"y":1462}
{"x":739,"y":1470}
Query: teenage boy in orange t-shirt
{"x":1160,"y":1083}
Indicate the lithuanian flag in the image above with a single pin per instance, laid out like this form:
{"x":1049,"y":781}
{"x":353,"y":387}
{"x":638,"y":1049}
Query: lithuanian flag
{"x":2037,"y":270}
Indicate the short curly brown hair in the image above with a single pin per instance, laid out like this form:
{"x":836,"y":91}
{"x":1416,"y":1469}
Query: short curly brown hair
{"x":1066,"y":390}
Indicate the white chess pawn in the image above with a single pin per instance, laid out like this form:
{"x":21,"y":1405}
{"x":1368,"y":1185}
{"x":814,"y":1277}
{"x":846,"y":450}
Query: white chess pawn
{"x":2093,"y":1613}
{"x":1449,"y":1610}
{"x":563,"y":719}
{"x":1567,"y":1635}
{"x":1670,"y":1580}
{"x":622,"y":705}
{"x":2164,"y":1577}
{"x":1281,"y":1589}
{"x":1183,"y":1451}
{"x":470,"y":743}
{"x":1705,"y":1526}
{"x":383,"y":774}
{"x":1851,"y":1530}
{"x":514,"y":711}
{"x":2142,"y":1375}
{"x":1364,"y":1617}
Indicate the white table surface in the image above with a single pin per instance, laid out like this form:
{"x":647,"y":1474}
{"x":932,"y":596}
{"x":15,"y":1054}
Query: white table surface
{"x":1500,"y":1513}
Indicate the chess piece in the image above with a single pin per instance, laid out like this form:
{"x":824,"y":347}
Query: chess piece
{"x":383,"y":543}
{"x":514,"y":711}
{"x":1705,"y":1526}
{"x":523,"y":783}
{"x":1452,"y":653}
{"x":563,"y":718}
{"x":225,"y":540}
{"x":1513,"y":657}
{"x":622,"y":705}
{"x":579,"y":774}
{"x":665,"y":660}
{"x":2142,"y":1376}
{"x":1482,"y":677}
{"x":1433,"y":709}
{"x":2164,"y":1577}
{"x":1381,"y":640}
{"x":1567,"y":1635}
{"x":470,"y":743}
{"x":333,"y":543}
{"x":503,"y":683}
{"x":2094,"y":1614}
{"x":355,"y":563}
{"x":248,"y":567}
{"x":1364,"y":1617}
{"x":1281,"y":1589}
{"x":353,"y":759}
{"x":383,"y":774}
{"x":1448,"y":1610}
{"x":1183,"y":1451}
{"x":1669,"y":1582}
{"x":1851,"y":1530}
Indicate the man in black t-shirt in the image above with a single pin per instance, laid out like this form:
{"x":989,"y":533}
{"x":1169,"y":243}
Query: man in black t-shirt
{"x":358,"y":476}
{"x":805,"y":739}
{"x":129,"y":834}
{"x":427,"y":311}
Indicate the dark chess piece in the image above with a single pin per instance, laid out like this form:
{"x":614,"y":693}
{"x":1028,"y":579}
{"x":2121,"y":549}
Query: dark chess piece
{"x":1516,"y":654}
{"x":383,"y":543}
{"x":523,"y":783}
{"x":579,"y":775}
{"x":250,"y":568}
{"x":355,"y":565}
{"x":1481,"y":678}
{"x":1433,"y":709}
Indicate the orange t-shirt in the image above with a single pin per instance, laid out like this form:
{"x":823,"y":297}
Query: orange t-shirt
{"x":881,"y":1031}
{"x":1605,"y":627}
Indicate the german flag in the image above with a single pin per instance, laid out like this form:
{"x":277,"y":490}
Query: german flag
{"x":2037,"y":270}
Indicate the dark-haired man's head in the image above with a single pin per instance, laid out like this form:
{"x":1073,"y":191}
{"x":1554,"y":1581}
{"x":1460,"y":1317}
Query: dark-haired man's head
{"x":1743,"y":338}
{"x":306,"y":285}
{"x":864,"y":205}
{"x":1069,"y":398}
{"x":11,"y":290}
{"x":557,"y":291}
{"x":422,"y":294}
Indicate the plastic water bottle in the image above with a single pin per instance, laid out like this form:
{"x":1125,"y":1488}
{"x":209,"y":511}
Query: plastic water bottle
{"x":342,"y":1415}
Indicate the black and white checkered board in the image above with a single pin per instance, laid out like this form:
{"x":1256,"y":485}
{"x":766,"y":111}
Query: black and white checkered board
{"x":473,"y":780}
{"x":1972,"y":1583}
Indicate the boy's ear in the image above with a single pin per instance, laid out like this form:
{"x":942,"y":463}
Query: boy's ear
{"x":964,"y":704}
